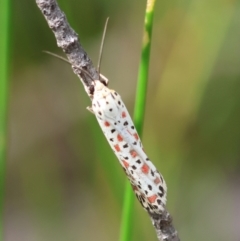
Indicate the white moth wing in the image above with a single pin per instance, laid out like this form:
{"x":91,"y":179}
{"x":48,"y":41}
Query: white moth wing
{"x":116,"y":123}
{"x":130,"y":135}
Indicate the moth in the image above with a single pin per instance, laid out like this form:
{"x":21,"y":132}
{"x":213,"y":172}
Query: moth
{"x":120,"y":132}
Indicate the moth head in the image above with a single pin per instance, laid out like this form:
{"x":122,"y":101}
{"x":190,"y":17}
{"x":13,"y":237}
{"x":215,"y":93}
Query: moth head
{"x":100,"y":90}
{"x":98,"y":85}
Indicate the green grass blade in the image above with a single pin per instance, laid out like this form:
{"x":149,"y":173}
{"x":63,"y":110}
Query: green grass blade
{"x":140,"y":101}
{"x":139,"y":109}
{"x":4,"y":26}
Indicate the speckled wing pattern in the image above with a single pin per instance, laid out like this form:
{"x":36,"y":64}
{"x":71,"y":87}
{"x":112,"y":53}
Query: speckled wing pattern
{"x":117,"y":125}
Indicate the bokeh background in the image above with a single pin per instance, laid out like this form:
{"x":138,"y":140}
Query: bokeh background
{"x":63,"y":181}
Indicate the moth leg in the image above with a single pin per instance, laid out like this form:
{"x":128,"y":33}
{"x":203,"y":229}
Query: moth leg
{"x":104,"y":79}
{"x":89,"y":108}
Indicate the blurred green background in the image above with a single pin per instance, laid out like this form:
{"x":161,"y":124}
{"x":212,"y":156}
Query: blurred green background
{"x":63,"y":181}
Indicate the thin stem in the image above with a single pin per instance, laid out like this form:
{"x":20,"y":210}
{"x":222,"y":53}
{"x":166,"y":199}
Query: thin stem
{"x":138,"y":117}
{"x":4,"y":49}
{"x":141,"y":93}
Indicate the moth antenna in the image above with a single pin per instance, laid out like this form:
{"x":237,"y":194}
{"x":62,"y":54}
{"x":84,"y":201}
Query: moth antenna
{"x":101,"y":47}
{"x":65,"y":60}
{"x":56,"y":56}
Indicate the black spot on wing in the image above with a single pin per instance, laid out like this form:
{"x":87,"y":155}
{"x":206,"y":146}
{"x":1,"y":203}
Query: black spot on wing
{"x":149,"y":187}
{"x":152,"y":172}
{"x":113,"y":96}
{"x":161,"y":188}
{"x":160,"y":194}
{"x":150,"y":206}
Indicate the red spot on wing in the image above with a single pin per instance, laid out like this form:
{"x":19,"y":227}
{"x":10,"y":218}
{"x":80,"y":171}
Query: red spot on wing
{"x":152,"y":198}
{"x":126,"y":164}
{"x":136,"y":136}
{"x":124,"y":114}
{"x":119,"y":137}
{"x":157,"y":180}
{"x":145,"y":168}
{"x":117,"y":148}
{"x":133,"y":153}
{"x":106,"y":123}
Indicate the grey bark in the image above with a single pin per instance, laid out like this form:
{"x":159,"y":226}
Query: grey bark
{"x":68,"y":40}
{"x":164,"y":226}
